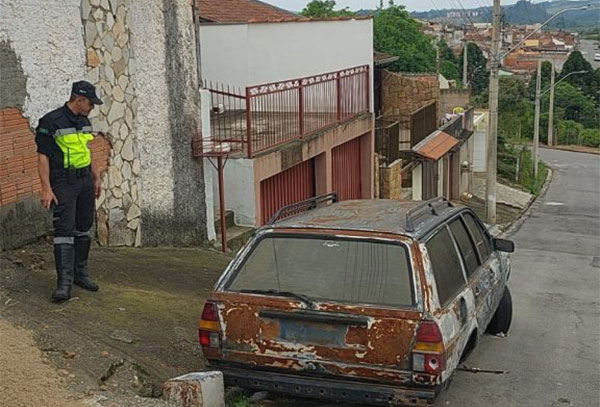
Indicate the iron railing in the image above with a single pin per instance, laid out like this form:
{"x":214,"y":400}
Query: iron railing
{"x":454,"y":127}
{"x":261,"y":117}
{"x":387,"y":139}
{"x":422,"y":123}
{"x":461,"y":125}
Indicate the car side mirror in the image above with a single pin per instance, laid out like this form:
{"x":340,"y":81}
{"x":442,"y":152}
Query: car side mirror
{"x":504,"y":245}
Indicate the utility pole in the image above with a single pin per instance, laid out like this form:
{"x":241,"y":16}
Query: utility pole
{"x":437,"y":58}
{"x":465,"y":62}
{"x":536,"y":122}
{"x":551,"y":111}
{"x":492,"y":148}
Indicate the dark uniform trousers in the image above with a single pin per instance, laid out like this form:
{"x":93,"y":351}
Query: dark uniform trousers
{"x":74,"y":214}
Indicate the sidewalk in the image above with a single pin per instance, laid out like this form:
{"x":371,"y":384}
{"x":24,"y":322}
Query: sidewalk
{"x":139,"y":330}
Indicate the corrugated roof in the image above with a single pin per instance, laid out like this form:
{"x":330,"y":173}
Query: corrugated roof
{"x":436,"y":145}
{"x":243,"y":11}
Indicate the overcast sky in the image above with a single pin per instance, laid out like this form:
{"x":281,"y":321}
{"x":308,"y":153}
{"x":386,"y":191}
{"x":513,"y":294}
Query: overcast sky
{"x":412,"y":5}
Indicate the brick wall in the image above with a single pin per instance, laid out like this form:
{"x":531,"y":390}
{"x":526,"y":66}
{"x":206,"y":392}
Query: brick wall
{"x":18,"y":158}
{"x":22,"y":217}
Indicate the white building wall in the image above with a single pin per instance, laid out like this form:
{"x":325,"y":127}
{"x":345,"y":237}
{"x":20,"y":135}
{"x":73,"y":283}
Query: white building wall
{"x":479,"y":137}
{"x":257,"y":53}
{"x":172,"y":198}
{"x":239,"y":190}
{"x":417,"y":183}
{"x":47,"y":38}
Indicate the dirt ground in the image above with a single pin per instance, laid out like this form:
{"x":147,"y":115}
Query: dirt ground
{"x":110,"y":348}
{"x":26,"y":378}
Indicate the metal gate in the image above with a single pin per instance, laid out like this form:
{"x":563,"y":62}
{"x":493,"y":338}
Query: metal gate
{"x":430,"y":179}
{"x":290,"y":186}
{"x":346,"y":170}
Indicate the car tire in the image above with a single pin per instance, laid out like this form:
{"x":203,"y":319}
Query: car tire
{"x":502,"y":319}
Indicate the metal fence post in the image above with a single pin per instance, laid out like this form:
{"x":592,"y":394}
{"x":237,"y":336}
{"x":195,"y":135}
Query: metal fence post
{"x":338,"y":84}
{"x":249,"y":122}
{"x":300,"y":108}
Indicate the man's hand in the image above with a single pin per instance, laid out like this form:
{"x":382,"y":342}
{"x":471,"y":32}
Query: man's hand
{"x":47,"y":197}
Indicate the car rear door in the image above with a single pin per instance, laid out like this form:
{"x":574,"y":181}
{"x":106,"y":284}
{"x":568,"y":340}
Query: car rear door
{"x":361,"y":319}
{"x":487,"y":280}
{"x":455,"y":300}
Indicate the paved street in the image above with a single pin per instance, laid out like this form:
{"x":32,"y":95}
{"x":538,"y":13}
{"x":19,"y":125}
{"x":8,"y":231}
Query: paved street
{"x":588,"y":49}
{"x":552,"y":352}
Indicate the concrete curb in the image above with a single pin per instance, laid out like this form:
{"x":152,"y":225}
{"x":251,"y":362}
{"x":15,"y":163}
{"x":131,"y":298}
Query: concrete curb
{"x":572,"y":150}
{"x":533,"y":205}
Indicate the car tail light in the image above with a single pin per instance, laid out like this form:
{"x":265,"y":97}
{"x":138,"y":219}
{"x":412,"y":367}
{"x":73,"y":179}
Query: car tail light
{"x":429,"y":354}
{"x":209,"y":331}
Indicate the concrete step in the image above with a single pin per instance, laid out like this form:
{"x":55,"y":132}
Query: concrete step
{"x":229,"y":221}
{"x":237,"y":236}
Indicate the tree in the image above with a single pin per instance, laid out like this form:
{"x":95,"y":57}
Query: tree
{"x":397,"y":33}
{"x":477,"y":73}
{"x":448,"y":66}
{"x":588,"y":82}
{"x":446,"y":53}
{"x":324,"y":9}
{"x":515,"y":110}
{"x":570,"y":103}
{"x":449,"y":70}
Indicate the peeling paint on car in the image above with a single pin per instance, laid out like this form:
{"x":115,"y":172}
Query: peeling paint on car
{"x":365,"y":343}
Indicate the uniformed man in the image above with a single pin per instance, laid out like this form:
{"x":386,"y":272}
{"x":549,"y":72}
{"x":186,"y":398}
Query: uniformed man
{"x":70,"y":185}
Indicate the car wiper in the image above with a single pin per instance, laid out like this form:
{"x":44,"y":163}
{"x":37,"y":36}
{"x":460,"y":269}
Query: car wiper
{"x":307,"y":300}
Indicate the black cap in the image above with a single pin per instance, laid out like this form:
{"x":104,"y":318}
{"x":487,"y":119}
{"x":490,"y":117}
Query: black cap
{"x":86,"y":89}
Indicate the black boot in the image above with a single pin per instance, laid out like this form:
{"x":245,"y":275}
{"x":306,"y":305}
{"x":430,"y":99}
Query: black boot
{"x":82,"y":276}
{"x":64,"y":257}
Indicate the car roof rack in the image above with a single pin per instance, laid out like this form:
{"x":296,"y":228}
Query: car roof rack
{"x":307,"y":204}
{"x":430,"y":207}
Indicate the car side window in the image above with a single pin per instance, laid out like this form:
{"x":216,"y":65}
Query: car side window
{"x":446,"y":266}
{"x":481,"y":240}
{"x":465,"y":245}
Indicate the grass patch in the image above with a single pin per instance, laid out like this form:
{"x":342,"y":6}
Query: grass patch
{"x":240,"y":401}
{"x":515,"y":167}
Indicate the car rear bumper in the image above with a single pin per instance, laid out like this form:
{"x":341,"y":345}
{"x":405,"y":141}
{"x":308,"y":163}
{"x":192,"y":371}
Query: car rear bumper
{"x":317,"y":387}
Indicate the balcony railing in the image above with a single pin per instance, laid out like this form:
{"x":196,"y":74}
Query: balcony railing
{"x":261,"y":117}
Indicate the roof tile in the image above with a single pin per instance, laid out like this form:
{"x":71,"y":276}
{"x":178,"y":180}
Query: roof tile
{"x":243,"y":11}
{"x":436,"y":145}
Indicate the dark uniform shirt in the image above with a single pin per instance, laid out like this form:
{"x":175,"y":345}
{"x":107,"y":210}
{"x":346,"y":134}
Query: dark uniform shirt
{"x":59,"y":119}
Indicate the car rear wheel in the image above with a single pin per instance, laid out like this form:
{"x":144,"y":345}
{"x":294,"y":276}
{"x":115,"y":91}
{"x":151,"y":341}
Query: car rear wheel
{"x":501,"y":320}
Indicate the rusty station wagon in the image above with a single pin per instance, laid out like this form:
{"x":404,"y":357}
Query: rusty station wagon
{"x":372,"y":301}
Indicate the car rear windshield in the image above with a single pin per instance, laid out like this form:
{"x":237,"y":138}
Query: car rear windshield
{"x":341,"y":270}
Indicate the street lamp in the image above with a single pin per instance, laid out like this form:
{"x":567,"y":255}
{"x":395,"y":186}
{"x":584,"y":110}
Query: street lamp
{"x":490,"y":191}
{"x":536,"y":123}
{"x":562,"y":79}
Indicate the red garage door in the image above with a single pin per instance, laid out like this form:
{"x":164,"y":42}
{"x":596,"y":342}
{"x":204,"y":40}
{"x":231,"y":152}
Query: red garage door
{"x":346,"y":170}
{"x":290,"y":186}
